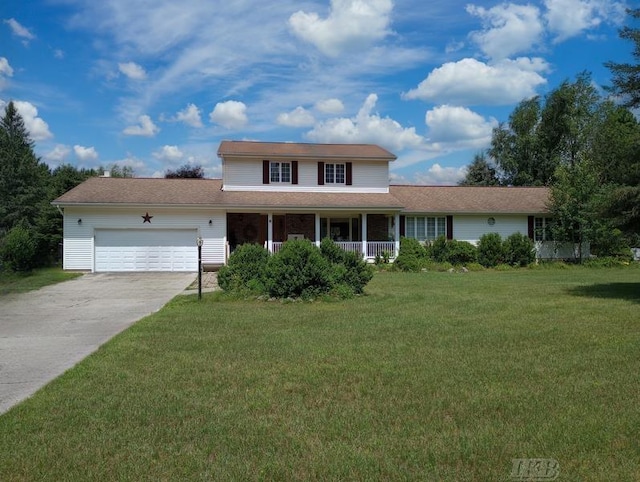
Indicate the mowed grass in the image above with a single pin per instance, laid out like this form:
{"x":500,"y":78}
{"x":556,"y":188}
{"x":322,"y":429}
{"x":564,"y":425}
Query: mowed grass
{"x":430,"y":376}
{"x":21,"y":282}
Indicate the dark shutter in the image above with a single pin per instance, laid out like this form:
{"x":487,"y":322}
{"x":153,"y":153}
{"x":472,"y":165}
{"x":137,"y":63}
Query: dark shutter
{"x":449,"y":227}
{"x":349,"y":174}
{"x":321,"y":174}
{"x":530,"y":226}
{"x":402,"y":225}
{"x":265,"y":172}
{"x":294,"y":172}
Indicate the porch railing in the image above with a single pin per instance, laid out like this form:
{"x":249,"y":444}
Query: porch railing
{"x":374,"y":248}
{"x":379,"y":248}
{"x":350,"y":246}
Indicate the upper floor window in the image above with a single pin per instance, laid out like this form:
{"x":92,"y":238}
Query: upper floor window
{"x":334,"y":173}
{"x":280,"y":172}
{"x":542,"y":229}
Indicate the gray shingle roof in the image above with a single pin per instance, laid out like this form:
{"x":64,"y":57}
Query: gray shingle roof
{"x":472,"y":199}
{"x":266,"y":150}
{"x":207,"y":192}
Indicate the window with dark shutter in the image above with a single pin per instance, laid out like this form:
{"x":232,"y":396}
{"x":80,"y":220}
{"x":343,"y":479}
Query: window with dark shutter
{"x":265,"y":172}
{"x":530,"y":227}
{"x":449,"y":227}
{"x":294,"y":172}
{"x":321,"y":174}
{"x":349,"y":174}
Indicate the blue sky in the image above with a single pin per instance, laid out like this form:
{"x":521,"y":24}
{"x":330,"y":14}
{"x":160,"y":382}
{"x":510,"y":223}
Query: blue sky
{"x":155,"y":84}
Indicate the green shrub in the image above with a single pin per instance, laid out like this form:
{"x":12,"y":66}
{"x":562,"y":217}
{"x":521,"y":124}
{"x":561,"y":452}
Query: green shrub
{"x":245,"y":270}
{"x":460,"y":252}
{"x":18,"y":249}
{"x":354,"y":272}
{"x":438,"y":249}
{"x":349,"y":268}
{"x":611,"y":243}
{"x":298,"y":270}
{"x":490,"y":250}
{"x":519,"y":250}
{"x":412,"y":255}
{"x":331,"y":251}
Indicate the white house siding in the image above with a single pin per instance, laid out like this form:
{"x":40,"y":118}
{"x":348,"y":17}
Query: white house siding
{"x":246,"y":175}
{"x":79,"y":248}
{"x":471,"y":228}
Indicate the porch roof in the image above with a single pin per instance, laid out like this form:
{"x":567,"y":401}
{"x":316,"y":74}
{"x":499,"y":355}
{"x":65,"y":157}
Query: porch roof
{"x":472,"y":199}
{"x":266,"y":150}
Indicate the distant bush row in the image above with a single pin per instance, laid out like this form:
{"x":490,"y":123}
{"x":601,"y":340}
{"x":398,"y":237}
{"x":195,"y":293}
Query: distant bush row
{"x":298,"y":270}
{"x":491,"y":251}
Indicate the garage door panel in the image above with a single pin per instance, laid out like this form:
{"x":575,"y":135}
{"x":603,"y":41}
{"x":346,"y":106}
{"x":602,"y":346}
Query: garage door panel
{"x":146,"y":250}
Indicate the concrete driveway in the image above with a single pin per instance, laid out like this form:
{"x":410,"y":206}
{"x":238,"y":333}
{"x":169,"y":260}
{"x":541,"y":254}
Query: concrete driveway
{"x":45,"y":332}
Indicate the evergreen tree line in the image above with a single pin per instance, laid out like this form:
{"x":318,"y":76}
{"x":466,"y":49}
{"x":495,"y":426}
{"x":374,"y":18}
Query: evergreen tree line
{"x":30,"y":227}
{"x":585,"y":146}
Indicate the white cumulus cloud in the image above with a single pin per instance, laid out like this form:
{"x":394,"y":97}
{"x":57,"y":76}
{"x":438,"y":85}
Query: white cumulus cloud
{"x":146,"y":128}
{"x":58,"y":154}
{"x":19,"y":30}
{"x":38,"y":128}
{"x":190,"y":115}
{"x":508,"y":29}
{"x":230,"y":114}
{"x":584,"y":14}
{"x":85,"y":153}
{"x":437,"y":175}
{"x":132,"y":70}
{"x":5,"y":71}
{"x":472,"y":82}
{"x":454,"y":126}
{"x":169,"y":154}
{"x":330,"y":106}
{"x":5,"y":68}
{"x":350,"y":25}
{"x":298,"y":117}
{"x":366,"y":127}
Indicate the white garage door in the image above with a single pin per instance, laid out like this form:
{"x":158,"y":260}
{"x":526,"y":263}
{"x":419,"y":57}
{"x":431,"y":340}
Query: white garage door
{"x":146,"y":250}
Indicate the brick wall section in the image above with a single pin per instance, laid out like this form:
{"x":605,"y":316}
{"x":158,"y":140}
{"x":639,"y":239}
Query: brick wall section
{"x":302,"y":224}
{"x":243,"y":228}
{"x":377,"y":227}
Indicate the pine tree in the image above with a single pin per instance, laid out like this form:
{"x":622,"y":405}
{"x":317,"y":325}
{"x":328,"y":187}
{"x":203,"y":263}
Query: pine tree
{"x":22,"y":176}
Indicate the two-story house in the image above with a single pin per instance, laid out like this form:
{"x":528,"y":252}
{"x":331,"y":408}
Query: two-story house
{"x":272,"y":192}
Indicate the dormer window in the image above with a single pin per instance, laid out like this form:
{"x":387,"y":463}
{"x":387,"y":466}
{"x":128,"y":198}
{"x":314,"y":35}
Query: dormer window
{"x":334,"y":173}
{"x":280,"y":172}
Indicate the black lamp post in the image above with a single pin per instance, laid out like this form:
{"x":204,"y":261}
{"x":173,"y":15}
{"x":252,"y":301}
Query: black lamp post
{"x":199,"y":242}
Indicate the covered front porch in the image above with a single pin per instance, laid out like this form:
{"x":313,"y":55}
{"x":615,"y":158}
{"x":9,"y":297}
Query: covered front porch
{"x":371,"y":234}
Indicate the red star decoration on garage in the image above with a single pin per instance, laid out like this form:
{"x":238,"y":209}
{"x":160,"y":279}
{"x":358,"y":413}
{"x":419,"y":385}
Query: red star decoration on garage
{"x":146,"y":218}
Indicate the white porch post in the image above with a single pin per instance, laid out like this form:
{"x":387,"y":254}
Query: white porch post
{"x":396,"y":234}
{"x":318,"y":230}
{"x":270,"y":232}
{"x":364,"y":235}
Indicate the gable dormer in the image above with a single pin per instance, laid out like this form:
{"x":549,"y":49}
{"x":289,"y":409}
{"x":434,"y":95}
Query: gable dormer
{"x":295,"y":167}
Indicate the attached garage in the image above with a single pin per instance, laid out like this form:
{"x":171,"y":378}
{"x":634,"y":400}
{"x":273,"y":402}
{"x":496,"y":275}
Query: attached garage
{"x":146,"y":250}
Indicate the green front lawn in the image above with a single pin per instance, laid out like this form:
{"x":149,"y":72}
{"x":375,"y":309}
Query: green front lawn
{"x":431,"y":376}
{"x":20,"y":282}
